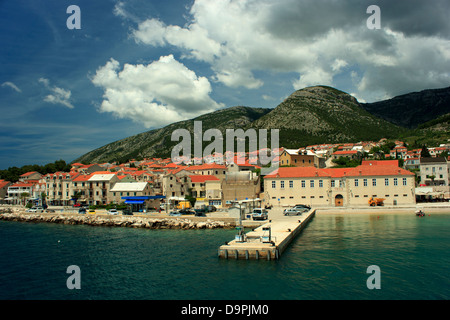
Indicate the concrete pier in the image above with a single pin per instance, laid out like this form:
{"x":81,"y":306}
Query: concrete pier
{"x":268,"y":241}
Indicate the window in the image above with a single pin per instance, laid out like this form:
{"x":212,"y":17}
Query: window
{"x":365,"y":182}
{"x":303,"y":183}
{"x":374,"y":182}
{"x":274,"y":185}
{"x":332,"y":183}
{"x":386,"y":182}
{"x":291,"y":184}
{"x":311,"y":183}
{"x":341,"y":183}
{"x":282,"y":184}
{"x":320,"y":183}
{"x":356,"y":182}
{"x":404,"y":181}
{"x":395,"y":181}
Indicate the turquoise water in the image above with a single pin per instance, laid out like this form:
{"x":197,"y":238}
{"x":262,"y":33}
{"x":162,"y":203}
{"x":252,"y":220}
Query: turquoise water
{"x":328,"y":260}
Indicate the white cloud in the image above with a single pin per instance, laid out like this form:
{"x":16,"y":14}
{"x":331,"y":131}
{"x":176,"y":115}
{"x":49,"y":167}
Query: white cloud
{"x":156,"y":94}
{"x":58,"y":95}
{"x":11,"y":85}
{"x":318,"y":40}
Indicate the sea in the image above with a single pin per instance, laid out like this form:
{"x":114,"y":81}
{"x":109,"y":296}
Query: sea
{"x":333,"y":258}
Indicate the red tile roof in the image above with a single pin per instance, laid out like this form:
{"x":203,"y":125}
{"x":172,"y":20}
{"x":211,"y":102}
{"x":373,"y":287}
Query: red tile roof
{"x":83,"y":177}
{"x":346,"y":152}
{"x":203,"y":178}
{"x":380,"y":162}
{"x":21,"y":184}
{"x":4,"y":183}
{"x":28,"y":173}
{"x":206,"y":166}
{"x":311,"y":172}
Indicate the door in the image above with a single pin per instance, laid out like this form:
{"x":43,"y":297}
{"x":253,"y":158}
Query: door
{"x":339,"y":201}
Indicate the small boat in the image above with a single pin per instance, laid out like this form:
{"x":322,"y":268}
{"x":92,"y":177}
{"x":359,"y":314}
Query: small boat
{"x":420,"y":213}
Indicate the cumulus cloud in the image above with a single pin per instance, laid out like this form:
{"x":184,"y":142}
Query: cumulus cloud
{"x":155,"y":94}
{"x":11,"y":85}
{"x":318,"y":40}
{"x":58,"y":95}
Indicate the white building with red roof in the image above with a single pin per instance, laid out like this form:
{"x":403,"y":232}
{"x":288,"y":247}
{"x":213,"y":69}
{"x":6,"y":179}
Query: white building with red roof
{"x":334,"y":187}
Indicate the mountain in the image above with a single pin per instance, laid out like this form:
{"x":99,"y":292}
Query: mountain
{"x":157,"y":143}
{"x":312,"y":115}
{"x":412,"y":109}
{"x":323,"y":114}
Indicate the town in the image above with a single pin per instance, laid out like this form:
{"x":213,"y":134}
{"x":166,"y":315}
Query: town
{"x":327,"y":175}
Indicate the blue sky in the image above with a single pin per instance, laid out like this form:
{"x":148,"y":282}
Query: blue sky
{"x":137,"y":65}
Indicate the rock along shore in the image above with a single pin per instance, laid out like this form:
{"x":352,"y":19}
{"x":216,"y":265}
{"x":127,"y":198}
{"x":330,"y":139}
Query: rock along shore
{"x":116,"y":221}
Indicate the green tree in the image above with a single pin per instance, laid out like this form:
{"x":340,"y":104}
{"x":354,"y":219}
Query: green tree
{"x":23,"y":197}
{"x":425,"y":153}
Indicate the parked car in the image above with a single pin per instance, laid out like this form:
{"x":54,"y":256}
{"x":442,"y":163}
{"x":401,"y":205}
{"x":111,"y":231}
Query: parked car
{"x":260,"y":214}
{"x":113,"y":212}
{"x":186,"y":211}
{"x":127,"y":212}
{"x":292,"y":212}
{"x":200,"y":212}
{"x":302,"y":206}
{"x":174,"y":213}
{"x":82,"y":210}
{"x":77,"y":205}
{"x":211,"y":208}
{"x":91,"y":211}
{"x":35,"y":209}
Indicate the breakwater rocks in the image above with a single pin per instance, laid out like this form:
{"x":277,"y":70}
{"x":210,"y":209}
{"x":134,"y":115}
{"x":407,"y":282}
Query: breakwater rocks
{"x":117,"y":221}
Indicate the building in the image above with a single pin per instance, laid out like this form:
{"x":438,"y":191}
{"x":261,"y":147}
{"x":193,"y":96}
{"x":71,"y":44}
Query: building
{"x":240,"y":186}
{"x":334,"y":187}
{"x":206,"y":189}
{"x":434,"y":171}
{"x":412,"y":163}
{"x":100,"y":185}
{"x":137,"y":194}
{"x":301,"y":158}
{"x":218,"y":170}
{"x":30,"y":176}
{"x":59,"y":188}
{"x":93,"y":189}
{"x":4,"y":190}
{"x":398,"y":152}
{"x":351,"y":154}
{"x":20,"y":192}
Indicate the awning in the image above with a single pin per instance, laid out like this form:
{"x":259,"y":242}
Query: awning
{"x":134,"y":201}
{"x":136,"y":198}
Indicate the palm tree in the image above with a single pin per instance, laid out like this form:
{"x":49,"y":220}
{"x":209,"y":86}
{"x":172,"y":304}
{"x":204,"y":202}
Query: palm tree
{"x":76,"y":196}
{"x":23,"y":196}
{"x":43,"y":197}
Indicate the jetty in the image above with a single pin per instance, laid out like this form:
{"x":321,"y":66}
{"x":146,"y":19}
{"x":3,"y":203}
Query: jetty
{"x":268,"y":241}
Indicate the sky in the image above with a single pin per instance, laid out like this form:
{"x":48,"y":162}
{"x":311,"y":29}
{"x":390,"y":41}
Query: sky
{"x":137,"y":65}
